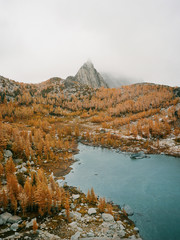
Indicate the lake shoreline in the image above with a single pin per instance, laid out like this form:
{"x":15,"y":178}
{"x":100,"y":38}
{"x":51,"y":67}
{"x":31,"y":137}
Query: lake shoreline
{"x":156,"y":158}
{"x":135,"y":149}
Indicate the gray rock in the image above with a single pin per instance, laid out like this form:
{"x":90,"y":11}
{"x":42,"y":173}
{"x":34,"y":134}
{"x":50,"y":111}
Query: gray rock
{"x":73,"y":224}
{"x":5,"y":216}
{"x":112,"y":227}
{"x":7,"y":153}
{"x":14,"y":227}
{"x":75,"y":196}
{"x":18,"y":161}
{"x":107,"y":217}
{"x":88,"y":75}
{"x":47,"y":236}
{"x":43,"y":225}
{"x":120,"y":224}
{"x":23,"y":169}
{"x":90,"y":234}
{"x":72,"y":214}
{"x":128,"y":210}
{"x":63,"y":212}
{"x":72,"y":206}
{"x":138,"y":155}
{"x":61,"y":182}
{"x":30,"y":224}
{"x":136,"y":229}
{"x":76,"y":215}
{"x":91,"y":211}
{"x":79,"y":229}
{"x":14,"y":219}
{"x":84,"y":235}
{"x":75,"y":236}
{"x":110,"y":233}
{"x":121,"y":233}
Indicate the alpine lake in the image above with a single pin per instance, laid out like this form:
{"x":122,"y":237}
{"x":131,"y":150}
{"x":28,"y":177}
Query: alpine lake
{"x":150,"y":186}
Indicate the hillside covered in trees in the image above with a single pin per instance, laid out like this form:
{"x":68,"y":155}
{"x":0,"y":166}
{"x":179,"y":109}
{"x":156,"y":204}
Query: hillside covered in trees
{"x":141,"y":113}
{"x":41,"y":125}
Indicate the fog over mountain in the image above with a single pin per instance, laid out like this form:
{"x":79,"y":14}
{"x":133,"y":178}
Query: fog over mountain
{"x":45,"y":38}
{"x":117,"y":81}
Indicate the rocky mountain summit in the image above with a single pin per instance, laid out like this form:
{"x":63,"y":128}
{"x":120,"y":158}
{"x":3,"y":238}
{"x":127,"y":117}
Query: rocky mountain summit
{"x":86,"y":78}
{"x":88,"y":75}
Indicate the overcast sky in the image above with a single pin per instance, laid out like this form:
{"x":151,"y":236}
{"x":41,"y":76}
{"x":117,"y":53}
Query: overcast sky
{"x":140,"y":39}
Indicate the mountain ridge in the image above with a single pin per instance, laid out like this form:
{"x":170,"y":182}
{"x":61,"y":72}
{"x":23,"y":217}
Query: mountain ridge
{"x":86,"y":75}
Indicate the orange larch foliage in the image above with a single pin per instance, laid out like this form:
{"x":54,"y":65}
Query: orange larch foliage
{"x":10,"y":166}
{"x":67,"y":207}
{"x":102,"y":205}
{"x":35,"y":226}
{"x":23,"y":200}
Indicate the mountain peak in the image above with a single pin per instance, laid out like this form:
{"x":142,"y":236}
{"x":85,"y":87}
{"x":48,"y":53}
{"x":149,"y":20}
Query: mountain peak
{"x":88,"y":75}
{"x":88,"y":64}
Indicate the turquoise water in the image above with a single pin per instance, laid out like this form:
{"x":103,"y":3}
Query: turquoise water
{"x":151,"y":186}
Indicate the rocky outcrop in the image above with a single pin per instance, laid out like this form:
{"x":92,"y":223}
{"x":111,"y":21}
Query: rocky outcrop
{"x":88,"y":75}
{"x":14,"y":219}
{"x":107,"y":217}
{"x":128,"y":210}
{"x":87,"y":223}
{"x":176,"y":92}
{"x":5,"y":216}
{"x":14,"y":227}
{"x":7,"y":154}
{"x":91,"y":211}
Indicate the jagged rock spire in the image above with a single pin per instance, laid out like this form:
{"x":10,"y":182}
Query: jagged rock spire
{"x":88,"y":75}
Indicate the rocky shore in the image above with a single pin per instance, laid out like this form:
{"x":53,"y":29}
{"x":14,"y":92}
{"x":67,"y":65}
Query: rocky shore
{"x":86,"y":223}
{"x":168,"y":146}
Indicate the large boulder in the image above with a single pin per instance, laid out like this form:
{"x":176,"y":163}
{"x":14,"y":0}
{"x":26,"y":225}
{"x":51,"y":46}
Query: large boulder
{"x":107,"y":217}
{"x":128,"y":210}
{"x":5,"y":216}
{"x":14,"y":219}
{"x":75,"y":196}
{"x":7,"y":153}
{"x":91,"y":211}
{"x":14,"y":227}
